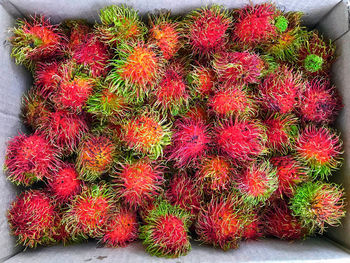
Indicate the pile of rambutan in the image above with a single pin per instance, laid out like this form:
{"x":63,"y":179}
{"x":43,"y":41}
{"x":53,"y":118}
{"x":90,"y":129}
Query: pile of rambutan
{"x":216,"y":126}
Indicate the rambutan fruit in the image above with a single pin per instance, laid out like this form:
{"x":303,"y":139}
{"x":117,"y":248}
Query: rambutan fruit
{"x":196,"y":112}
{"x":93,"y":55}
{"x":87,"y":213}
{"x":164,"y":33}
{"x":120,"y":24}
{"x":166,"y":233}
{"x":242,"y":140}
{"x":190,"y":142}
{"x":254,"y":227}
{"x":232,"y":101}
{"x":146,"y":133}
{"x":281,"y":131}
{"x":136,"y":69}
{"x":320,"y":102}
{"x":206,"y":30}
{"x":64,"y":184}
{"x":202,"y":81}
{"x":238,"y":67}
{"x":255,"y":25}
{"x":76,"y":30}
{"x":316,"y":55}
{"x":320,"y":149}
{"x":221,"y":222}
{"x":34,"y":108}
{"x":121,"y":228}
{"x":290,"y":173}
{"x":31,"y":218}
{"x":34,"y":40}
{"x":183,"y":191}
{"x":95,"y":157}
{"x":280,"y":222}
{"x":280,"y":90}
{"x":256,"y":182}
{"x":171,"y":94}
{"x":30,"y":158}
{"x":47,"y":76}
{"x":138,"y":182}
{"x":318,"y":204}
{"x":64,"y":130}
{"x":215,"y":175}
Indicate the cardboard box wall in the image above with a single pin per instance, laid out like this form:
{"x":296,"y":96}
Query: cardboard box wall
{"x":329,"y":16}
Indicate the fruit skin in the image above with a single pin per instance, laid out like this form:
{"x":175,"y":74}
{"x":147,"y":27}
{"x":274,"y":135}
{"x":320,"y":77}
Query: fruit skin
{"x":95,"y":157}
{"x":290,"y":173}
{"x":138,"y":182}
{"x":320,"y":149}
{"x":64,"y":130}
{"x":190,"y":142}
{"x":47,"y":76}
{"x":31,"y":218}
{"x":240,"y":139}
{"x":87,"y":213}
{"x":35,"y":39}
{"x":202,"y":81}
{"x":64,"y":184}
{"x":318,"y":204}
{"x":165,"y":34}
{"x":281,"y":131}
{"x":320,"y":102}
{"x":256,"y":182}
{"x":238,"y":67}
{"x":205,"y":30}
{"x":136,"y":69}
{"x":119,"y":24}
{"x":30,"y":158}
{"x":221,"y":222}
{"x":280,"y":222}
{"x":146,"y":133}
{"x":255,"y":25}
{"x":165,"y":233}
{"x":280,"y":91}
{"x":183,"y":191}
{"x":121,"y":228}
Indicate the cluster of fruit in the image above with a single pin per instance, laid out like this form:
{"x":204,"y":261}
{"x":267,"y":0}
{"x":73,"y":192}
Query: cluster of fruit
{"x":214,"y":125}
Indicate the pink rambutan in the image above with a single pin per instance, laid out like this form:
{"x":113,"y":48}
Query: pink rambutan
{"x":202,"y":81}
{"x":281,"y":131}
{"x":320,"y":102}
{"x":139,"y":182}
{"x":166,"y":233}
{"x":206,"y":30}
{"x":87,"y":213}
{"x":221,"y":223}
{"x":255,"y":25}
{"x":30,"y":158}
{"x":31,"y":218}
{"x":238,"y":67}
{"x":319,"y":148}
{"x":184,"y":192}
{"x":280,"y":91}
{"x":256,"y":182}
{"x":290,"y":173}
{"x":47,"y":77}
{"x":190,"y":142}
{"x":232,"y":101}
{"x":64,"y":184}
{"x":95,"y":157}
{"x":242,"y":140}
{"x":64,"y":130}
{"x":121,"y":228}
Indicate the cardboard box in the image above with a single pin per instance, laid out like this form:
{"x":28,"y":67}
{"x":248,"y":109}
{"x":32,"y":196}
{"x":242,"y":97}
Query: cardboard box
{"x":331,"y":17}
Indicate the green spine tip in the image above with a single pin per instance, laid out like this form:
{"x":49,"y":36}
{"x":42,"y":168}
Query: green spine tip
{"x":313,"y":63}
{"x":281,"y":23}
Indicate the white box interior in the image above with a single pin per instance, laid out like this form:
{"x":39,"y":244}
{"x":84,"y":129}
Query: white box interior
{"x":331,"y":17}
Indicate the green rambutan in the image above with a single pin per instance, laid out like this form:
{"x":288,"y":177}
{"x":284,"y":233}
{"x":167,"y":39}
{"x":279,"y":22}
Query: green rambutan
{"x":95,"y":157}
{"x":165,"y":233}
{"x":319,"y":148}
{"x":202,"y":81}
{"x":318,"y":204}
{"x":31,"y":218}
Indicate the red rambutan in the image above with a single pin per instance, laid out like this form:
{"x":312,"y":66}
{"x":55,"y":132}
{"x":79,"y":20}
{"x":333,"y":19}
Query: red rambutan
{"x":47,"y":77}
{"x":202,"y":81}
{"x":254,"y":227}
{"x":77,"y":30}
{"x":30,"y":158}
{"x":197,"y":113}
{"x":31,"y":218}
